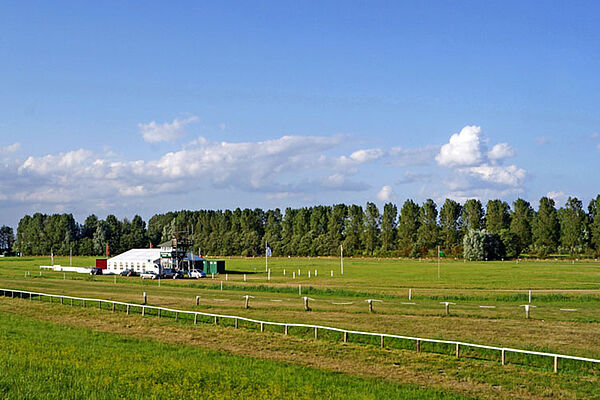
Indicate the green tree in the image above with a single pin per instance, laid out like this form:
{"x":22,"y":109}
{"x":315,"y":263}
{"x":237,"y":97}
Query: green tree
{"x":372,"y":227}
{"x":520,"y":224}
{"x":546,"y":227}
{"x":7,"y":238}
{"x":450,"y":225}
{"x":573,"y":226}
{"x":594,"y":218}
{"x":389,"y":227}
{"x":497,"y":216}
{"x":353,"y":243}
{"x":427,"y":234}
{"x":472,"y":215}
{"x":408,"y":227}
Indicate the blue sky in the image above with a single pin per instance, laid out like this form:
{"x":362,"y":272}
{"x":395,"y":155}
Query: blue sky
{"x":145,"y":107}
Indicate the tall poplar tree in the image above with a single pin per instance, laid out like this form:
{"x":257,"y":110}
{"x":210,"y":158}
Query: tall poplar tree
{"x":450,"y":225}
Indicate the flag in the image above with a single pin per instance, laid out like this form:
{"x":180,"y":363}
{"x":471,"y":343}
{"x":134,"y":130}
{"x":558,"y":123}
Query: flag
{"x":268,"y":251}
{"x":441,"y":254}
{"x":107,"y":251}
{"x":151,"y":246}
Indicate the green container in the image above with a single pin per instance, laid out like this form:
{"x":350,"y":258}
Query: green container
{"x":214,"y":267}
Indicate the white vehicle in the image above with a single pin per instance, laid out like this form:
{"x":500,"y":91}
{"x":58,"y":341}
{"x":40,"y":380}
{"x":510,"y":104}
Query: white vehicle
{"x":149,"y":275}
{"x":196,"y":273}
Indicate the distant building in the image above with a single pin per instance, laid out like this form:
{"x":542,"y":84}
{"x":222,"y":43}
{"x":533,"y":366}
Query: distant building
{"x":154,"y":260}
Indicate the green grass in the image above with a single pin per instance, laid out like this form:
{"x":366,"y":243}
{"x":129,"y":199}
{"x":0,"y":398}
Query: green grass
{"x":42,"y":360}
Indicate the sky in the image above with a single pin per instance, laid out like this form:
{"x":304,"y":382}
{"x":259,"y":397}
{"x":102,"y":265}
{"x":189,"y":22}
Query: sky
{"x":146,"y":107}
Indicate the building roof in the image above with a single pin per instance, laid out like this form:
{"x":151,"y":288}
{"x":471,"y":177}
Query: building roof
{"x":143,"y":255}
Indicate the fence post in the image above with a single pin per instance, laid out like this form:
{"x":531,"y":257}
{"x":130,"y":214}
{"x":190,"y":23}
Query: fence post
{"x":84,"y":305}
{"x":457,"y":350}
{"x":503,"y":360}
{"x":143,"y":311}
{"x":555,"y":364}
{"x":316,"y":333}
{"x":145,"y":298}
{"x":127,"y":309}
{"x":159,"y":312}
{"x":345,"y":337}
{"x":262,"y":327}
{"x":195,"y":319}
{"x":236,"y":323}
{"x":61,"y":301}
{"x":216,"y":320}
{"x":382,"y":343}
{"x":418,"y":345}
{"x":71,"y":302}
{"x":176,"y":316}
{"x":113,"y":307}
{"x":197,"y":300}
{"x":286,"y":330}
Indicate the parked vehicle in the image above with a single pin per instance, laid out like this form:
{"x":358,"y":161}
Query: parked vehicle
{"x":149,"y":275}
{"x":96,"y":271}
{"x":197,"y":273}
{"x":128,"y":272}
{"x":171,"y":273}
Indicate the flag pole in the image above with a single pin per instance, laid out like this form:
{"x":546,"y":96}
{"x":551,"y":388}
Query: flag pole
{"x":266,"y":256}
{"x":342,"y":259}
{"x":438,"y":262}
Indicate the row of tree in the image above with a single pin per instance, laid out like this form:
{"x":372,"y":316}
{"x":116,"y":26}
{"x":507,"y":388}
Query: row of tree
{"x":413,"y":230}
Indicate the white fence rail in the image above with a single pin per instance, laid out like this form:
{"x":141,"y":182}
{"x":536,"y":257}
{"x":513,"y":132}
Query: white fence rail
{"x":503,"y":351}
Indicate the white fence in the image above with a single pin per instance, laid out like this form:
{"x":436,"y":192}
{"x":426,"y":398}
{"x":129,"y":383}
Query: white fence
{"x":142,"y":308}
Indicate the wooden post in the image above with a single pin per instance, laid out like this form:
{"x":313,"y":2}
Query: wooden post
{"x":246,"y":302}
{"x":316,"y":333}
{"x":418,"y":345}
{"x":145,"y":298}
{"x":71,"y":302}
{"x":176,"y":316}
{"x":530,"y":296}
{"x":457,"y":350}
{"x":84,"y":305}
{"x":382,"y":343}
{"x":159,"y":313}
{"x":143,"y":311}
{"x":262,"y":327}
{"x":555,"y":364}
{"x":332,"y":273}
{"x":293,"y":274}
{"x":503,"y":358}
{"x":127,"y":309}
{"x":195,"y":319}
{"x":197,"y":300}
{"x":244,"y":277}
{"x":345,"y":337}
{"x":61,"y":300}
{"x":221,"y":285}
{"x":226,"y":277}
{"x":299,"y":290}
{"x":410,"y":294}
{"x":286,"y":330}
{"x":216,"y":320}
{"x":236,"y":323}
{"x":113,"y":307}
{"x":370,"y":305}
{"x":306,"y":308}
{"x":447,"y":309}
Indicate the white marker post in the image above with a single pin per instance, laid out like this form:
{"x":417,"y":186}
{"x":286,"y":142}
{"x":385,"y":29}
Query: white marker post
{"x":284,"y":272}
{"x":315,"y":273}
{"x":332,"y":273}
{"x":342,"y":259}
{"x":244,"y":277}
{"x":309,"y":273}
{"x":269,"y":275}
{"x":226,"y":277}
{"x":300,"y":290}
{"x":294,"y":275}
{"x":306,"y":299}
{"x":247,"y":297}
{"x":221,"y":285}
{"x":447,"y":304}
{"x":410,"y":294}
{"x":370,"y":301}
{"x":527,"y":307}
{"x":530,"y":297}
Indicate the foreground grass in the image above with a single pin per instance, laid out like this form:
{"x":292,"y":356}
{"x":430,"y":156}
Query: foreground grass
{"x":42,"y":360}
{"x":466,"y":376}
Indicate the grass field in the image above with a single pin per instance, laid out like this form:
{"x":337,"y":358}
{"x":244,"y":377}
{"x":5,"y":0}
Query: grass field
{"x":566,"y":295}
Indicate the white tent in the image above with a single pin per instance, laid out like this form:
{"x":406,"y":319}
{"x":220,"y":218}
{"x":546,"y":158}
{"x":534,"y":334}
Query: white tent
{"x":139,"y":260}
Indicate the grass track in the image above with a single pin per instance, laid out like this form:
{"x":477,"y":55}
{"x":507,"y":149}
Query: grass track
{"x":42,"y":360}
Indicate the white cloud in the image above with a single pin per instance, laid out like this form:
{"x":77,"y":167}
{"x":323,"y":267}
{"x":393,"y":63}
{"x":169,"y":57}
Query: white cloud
{"x":167,"y":132}
{"x":500,"y":151}
{"x":463,"y":149}
{"x":509,"y":175}
{"x":559,"y":197}
{"x":385,"y":194}
{"x":11,"y":148}
{"x":413,"y":157}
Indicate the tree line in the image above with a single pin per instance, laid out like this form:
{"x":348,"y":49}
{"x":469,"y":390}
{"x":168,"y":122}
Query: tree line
{"x":413,"y":230}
